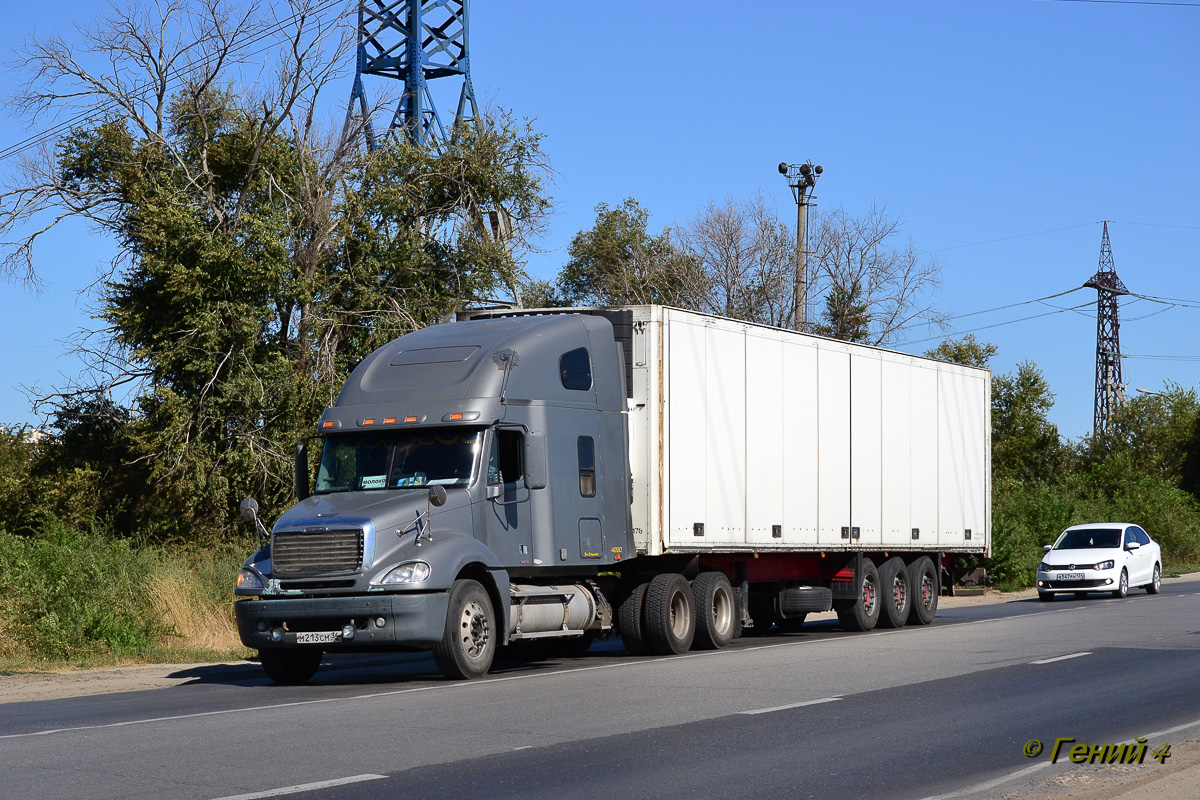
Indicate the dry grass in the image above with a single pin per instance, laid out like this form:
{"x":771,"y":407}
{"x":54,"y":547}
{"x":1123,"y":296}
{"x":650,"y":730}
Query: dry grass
{"x":196,"y":622}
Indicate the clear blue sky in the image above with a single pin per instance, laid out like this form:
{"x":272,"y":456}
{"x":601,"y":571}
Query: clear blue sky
{"x":1001,"y":132}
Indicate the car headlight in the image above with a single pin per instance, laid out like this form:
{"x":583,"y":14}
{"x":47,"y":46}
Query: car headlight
{"x":1106,"y":564}
{"x":411,"y":572}
{"x":1043,"y":567}
{"x":248,"y":579}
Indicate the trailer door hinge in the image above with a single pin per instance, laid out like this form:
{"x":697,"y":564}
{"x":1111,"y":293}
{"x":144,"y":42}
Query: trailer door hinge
{"x":856,"y":533}
{"x":845,"y":533}
{"x":698,"y":529}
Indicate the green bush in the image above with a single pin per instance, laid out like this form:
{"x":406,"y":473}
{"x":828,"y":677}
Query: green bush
{"x":1028,"y":515}
{"x":71,"y":594}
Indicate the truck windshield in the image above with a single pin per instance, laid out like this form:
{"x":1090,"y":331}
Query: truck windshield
{"x":397,"y":460}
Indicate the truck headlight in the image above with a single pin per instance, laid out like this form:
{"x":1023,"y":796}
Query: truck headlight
{"x":410,"y":572}
{"x":248,"y":579}
{"x":1106,"y":564}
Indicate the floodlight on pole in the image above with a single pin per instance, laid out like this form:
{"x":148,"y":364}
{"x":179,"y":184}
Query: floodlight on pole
{"x":801,"y":179}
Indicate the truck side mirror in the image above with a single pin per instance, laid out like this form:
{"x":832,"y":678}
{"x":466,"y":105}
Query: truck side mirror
{"x":248,"y":508}
{"x":301,"y":472}
{"x":535,"y":460}
{"x":437,"y":496}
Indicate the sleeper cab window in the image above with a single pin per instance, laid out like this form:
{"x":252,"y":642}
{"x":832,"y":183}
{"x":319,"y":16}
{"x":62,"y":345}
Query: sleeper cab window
{"x":587,"y":466}
{"x":576,"y":370}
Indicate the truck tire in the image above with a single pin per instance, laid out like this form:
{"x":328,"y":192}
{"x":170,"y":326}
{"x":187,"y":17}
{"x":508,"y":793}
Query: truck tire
{"x":669,"y":615}
{"x":895,"y":595}
{"x":629,"y":621}
{"x":718,"y":616}
{"x":861,"y":613}
{"x":469,"y":641}
{"x":922,"y":580}
{"x":289,"y":666}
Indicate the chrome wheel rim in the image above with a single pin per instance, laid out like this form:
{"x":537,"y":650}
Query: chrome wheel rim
{"x":475,"y":631}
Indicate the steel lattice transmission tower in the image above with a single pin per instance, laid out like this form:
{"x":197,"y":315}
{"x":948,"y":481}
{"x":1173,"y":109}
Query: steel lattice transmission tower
{"x":414,"y":42}
{"x":1110,"y":389}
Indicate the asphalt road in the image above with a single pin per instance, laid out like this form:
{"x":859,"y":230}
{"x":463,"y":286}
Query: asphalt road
{"x":912,"y":713}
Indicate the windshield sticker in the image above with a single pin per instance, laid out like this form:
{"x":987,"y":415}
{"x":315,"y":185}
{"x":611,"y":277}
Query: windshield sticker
{"x":374,"y":482}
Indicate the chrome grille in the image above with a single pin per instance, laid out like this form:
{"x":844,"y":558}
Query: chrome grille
{"x":316,"y":551}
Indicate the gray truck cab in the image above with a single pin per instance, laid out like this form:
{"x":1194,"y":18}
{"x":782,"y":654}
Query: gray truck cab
{"x":473,"y":482}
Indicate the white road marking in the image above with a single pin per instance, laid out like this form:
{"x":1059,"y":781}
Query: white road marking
{"x":792,"y":705}
{"x":304,"y":787}
{"x":1060,"y":658}
{"x":524,"y":747}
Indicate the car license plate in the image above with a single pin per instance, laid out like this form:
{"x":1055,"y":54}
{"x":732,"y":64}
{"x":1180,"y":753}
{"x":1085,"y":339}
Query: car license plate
{"x":319,"y":637}
{"x":1069,"y":576}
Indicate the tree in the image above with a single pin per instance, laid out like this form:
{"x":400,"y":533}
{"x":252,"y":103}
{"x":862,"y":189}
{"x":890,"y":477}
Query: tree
{"x":858,"y":266}
{"x":1156,"y":430}
{"x":746,"y":260}
{"x":846,"y":316}
{"x":1025,"y":444}
{"x":262,"y":256}
{"x":618,"y":262}
{"x":966,"y":351}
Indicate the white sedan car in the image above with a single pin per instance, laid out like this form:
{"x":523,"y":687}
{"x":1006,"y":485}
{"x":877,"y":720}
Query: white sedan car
{"x":1100,"y":557}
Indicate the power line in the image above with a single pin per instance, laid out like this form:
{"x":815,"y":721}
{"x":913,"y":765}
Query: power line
{"x":1017,"y":236}
{"x":1133,"y":3}
{"x":59,"y":128}
{"x":1001,"y":324}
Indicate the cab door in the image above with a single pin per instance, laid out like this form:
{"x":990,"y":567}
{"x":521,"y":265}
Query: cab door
{"x":509,"y":523}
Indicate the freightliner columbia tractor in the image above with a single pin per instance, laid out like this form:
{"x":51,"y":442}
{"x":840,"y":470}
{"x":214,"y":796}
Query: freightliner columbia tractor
{"x":669,"y":477}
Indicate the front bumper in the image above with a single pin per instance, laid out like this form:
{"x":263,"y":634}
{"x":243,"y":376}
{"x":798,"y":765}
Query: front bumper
{"x":400,"y":620}
{"x":1092,"y":581}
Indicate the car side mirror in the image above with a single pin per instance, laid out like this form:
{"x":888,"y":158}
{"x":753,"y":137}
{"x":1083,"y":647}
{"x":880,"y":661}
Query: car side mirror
{"x":1133,"y":545}
{"x":1047,"y":547}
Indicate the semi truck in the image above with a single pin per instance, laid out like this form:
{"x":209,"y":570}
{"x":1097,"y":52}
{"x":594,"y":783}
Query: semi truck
{"x":671,"y":477}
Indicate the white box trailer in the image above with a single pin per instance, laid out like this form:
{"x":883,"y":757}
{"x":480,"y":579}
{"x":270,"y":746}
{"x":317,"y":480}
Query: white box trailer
{"x":746,"y":438}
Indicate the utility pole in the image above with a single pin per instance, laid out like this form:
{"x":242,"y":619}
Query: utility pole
{"x":801,"y":178}
{"x":414,"y":41}
{"x":1110,"y":389}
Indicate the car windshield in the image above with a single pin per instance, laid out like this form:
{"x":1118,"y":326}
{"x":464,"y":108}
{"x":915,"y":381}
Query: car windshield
{"x":397,"y":460}
{"x":1089,"y":539}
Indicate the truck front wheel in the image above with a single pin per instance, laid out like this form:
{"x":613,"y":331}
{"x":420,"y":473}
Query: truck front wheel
{"x":469,"y":641}
{"x":670,"y":615}
{"x":861,"y":613}
{"x":718,"y":616}
{"x":289,"y":666}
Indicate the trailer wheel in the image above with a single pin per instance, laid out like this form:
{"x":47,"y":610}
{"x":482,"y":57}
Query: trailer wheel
{"x":629,"y":621}
{"x":861,"y":613}
{"x":670,"y":617}
{"x":717,"y":613}
{"x":469,"y":640}
{"x":922,"y":580}
{"x":895,"y":594}
{"x":289,"y":666}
